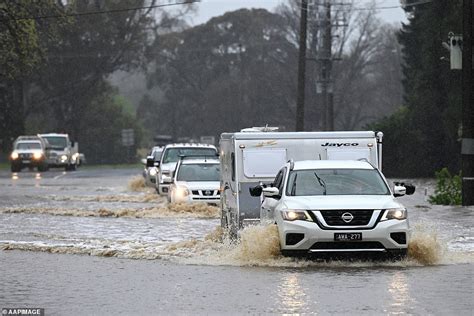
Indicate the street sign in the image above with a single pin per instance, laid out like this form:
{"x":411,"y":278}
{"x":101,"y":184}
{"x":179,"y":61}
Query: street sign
{"x":128,"y":137}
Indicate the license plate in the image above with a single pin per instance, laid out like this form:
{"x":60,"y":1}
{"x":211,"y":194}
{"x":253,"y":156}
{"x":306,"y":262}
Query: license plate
{"x":347,"y":236}
{"x":26,"y":161}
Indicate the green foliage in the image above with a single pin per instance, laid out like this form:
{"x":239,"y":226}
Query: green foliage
{"x":226,"y":74}
{"x":101,"y":139}
{"x":448,"y":188}
{"x":23,"y":40}
{"x":425,"y":137}
{"x":125,"y":105}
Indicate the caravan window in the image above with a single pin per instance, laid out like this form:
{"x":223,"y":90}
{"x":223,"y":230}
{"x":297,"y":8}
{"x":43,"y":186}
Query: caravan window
{"x":263,"y":163}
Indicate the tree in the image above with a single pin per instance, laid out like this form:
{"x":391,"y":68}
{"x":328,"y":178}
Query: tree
{"x":22,"y":48}
{"x":366,"y":69}
{"x":226,"y":74}
{"x":431,"y":120}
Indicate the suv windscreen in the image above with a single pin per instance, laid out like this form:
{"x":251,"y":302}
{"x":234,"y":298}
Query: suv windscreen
{"x":198,"y":172}
{"x":157,"y":155}
{"x":173,"y":154}
{"x":26,"y":146}
{"x":336,"y":182}
{"x":57,"y":141}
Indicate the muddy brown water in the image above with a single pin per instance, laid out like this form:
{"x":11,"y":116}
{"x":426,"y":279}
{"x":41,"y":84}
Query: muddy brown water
{"x":87,"y":242}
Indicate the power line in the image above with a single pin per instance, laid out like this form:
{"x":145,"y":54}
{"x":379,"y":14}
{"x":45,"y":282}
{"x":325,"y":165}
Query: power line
{"x":56,"y":16}
{"x":379,"y":8}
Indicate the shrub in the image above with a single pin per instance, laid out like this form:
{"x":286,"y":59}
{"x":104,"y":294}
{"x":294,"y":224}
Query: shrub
{"x":448,"y":188}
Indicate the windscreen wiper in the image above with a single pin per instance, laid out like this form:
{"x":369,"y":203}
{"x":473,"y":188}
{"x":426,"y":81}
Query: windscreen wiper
{"x":321,"y":183}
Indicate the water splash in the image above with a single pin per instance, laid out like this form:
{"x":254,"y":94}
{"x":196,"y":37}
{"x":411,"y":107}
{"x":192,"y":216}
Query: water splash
{"x":425,"y":247}
{"x":136,"y":184}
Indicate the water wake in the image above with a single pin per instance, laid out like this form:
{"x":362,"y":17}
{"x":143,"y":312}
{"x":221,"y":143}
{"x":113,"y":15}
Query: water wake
{"x":198,"y":210}
{"x":258,"y":246}
{"x":146,"y":197}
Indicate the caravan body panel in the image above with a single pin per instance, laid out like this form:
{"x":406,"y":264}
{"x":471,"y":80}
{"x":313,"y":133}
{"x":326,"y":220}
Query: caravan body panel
{"x":250,"y":158}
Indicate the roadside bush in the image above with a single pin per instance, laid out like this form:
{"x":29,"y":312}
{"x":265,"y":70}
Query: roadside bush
{"x":448,"y":188}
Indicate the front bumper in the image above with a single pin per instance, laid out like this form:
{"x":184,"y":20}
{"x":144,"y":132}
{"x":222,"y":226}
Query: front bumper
{"x":28,"y":162}
{"x":305,"y":237}
{"x":196,"y":198}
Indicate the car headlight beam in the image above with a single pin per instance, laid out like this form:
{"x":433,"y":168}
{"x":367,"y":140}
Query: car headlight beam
{"x":152,"y":172}
{"x":293,"y":215}
{"x":394,"y":213}
{"x":37,"y":155}
{"x":14,"y":155}
{"x":182,"y":192}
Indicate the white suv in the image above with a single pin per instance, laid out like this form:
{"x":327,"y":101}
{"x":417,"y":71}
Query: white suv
{"x":336,"y":208}
{"x":196,"y":180}
{"x":170,"y":157}
{"x":151,"y":166}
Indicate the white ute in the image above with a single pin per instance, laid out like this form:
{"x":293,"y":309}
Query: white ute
{"x":335,"y":208}
{"x":62,"y":151}
{"x":196,"y":180}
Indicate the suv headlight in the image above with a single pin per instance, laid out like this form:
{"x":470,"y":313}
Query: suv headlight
{"x":293,"y":215}
{"x":394,"y":213}
{"x":14,"y":155}
{"x":153,"y":172}
{"x":182,"y":191}
{"x":37,"y":155}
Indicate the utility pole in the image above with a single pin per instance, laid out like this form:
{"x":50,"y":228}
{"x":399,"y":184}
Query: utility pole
{"x":302,"y":67}
{"x":467,"y":151}
{"x":325,"y":86}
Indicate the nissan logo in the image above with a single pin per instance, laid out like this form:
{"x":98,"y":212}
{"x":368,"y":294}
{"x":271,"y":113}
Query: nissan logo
{"x":347,"y":217}
{"x":207,"y":192}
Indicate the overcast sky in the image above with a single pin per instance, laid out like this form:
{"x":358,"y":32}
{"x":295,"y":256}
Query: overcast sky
{"x":210,"y":8}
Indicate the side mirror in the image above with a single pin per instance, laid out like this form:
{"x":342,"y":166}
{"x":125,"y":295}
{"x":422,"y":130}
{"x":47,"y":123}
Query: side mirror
{"x":150,"y":162}
{"x":399,"y":190}
{"x":410,"y":189}
{"x":256,"y":190}
{"x":271,"y":192}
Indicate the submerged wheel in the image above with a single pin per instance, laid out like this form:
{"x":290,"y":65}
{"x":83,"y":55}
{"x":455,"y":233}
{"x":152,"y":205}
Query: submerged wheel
{"x":15,"y":168}
{"x":42,"y":168}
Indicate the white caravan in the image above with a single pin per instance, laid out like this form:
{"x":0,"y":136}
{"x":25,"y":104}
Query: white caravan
{"x":251,"y":157}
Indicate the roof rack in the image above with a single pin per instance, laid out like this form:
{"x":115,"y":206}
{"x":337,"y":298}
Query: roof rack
{"x":29,"y":137}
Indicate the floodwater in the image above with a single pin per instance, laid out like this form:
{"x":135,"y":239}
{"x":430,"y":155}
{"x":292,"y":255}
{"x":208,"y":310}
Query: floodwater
{"x":94,"y":242}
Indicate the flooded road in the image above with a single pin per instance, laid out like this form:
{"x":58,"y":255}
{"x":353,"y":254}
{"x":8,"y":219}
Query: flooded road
{"x":90,"y":242}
